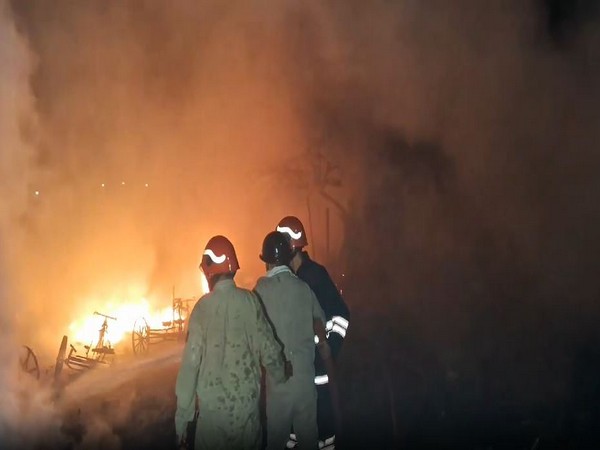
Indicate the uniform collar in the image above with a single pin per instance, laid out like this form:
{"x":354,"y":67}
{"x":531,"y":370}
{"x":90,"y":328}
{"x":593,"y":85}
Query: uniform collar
{"x":277,"y":270}
{"x":224,"y":284}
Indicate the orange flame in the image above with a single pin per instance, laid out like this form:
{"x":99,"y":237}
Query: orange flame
{"x":85,"y":330}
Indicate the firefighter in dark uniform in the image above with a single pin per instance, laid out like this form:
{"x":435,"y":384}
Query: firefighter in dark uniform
{"x":336,"y":316}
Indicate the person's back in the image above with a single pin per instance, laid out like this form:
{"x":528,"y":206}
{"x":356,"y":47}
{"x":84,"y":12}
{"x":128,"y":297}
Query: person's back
{"x":292,"y":306}
{"x":337,"y":316}
{"x":229,"y":337}
{"x":292,"y":309}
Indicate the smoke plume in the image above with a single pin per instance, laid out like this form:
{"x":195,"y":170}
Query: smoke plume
{"x":452,"y":145}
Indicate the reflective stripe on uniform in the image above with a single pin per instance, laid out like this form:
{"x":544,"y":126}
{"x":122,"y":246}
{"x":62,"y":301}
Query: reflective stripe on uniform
{"x":321,"y":379}
{"x":339,"y":330}
{"x":292,"y":442}
{"x":338,"y":325}
{"x":340,"y":321}
{"x":327,"y":444}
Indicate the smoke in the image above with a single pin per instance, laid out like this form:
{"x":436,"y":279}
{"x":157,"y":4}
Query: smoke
{"x":30,"y":416}
{"x":153,"y":128}
{"x":466,"y":139}
{"x":154,"y":137}
{"x":15,"y":105}
{"x":469,"y":132}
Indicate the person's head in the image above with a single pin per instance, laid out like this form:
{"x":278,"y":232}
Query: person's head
{"x":292,"y":227}
{"x":219,"y":260}
{"x":276,"y":250}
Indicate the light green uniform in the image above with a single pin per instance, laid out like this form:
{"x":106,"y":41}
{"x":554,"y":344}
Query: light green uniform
{"x":292,"y":307}
{"x":229,"y":337}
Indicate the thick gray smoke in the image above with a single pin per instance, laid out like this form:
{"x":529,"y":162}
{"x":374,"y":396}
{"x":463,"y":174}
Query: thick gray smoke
{"x":466,"y":133}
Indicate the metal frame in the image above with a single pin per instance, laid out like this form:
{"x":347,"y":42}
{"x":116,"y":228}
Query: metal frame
{"x":101,"y":353}
{"x":29,"y":362}
{"x":142,"y":336}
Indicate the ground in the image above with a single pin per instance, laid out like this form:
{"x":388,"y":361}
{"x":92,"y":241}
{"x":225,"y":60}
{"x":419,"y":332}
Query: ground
{"x":386,"y":403}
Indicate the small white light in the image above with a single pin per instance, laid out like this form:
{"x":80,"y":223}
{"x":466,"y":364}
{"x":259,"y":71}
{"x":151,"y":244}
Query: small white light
{"x":37,"y":192}
{"x":122,"y":183}
{"x":146,"y":184}
{"x":102,"y":185}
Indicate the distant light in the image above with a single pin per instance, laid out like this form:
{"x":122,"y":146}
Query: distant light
{"x":122,"y":183}
{"x":146,"y":184}
{"x":102,"y":185}
{"x":37,"y":192}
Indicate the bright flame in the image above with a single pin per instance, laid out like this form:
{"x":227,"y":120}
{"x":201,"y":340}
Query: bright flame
{"x":86,"y":330}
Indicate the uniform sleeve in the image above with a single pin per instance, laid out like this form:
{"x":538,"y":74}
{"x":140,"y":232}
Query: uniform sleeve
{"x":269,"y":347}
{"x":317,"y":311}
{"x":187,"y":378}
{"x":333,"y":304}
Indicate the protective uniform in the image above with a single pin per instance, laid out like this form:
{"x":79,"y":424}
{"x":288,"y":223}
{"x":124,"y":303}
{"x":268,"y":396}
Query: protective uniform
{"x":292,"y":308}
{"x":229,"y":337}
{"x":337,"y":316}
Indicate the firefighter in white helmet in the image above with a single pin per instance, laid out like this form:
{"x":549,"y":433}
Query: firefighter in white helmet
{"x":293,"y":310}
{"x":229,"y":338}
{"x":337,"y":316}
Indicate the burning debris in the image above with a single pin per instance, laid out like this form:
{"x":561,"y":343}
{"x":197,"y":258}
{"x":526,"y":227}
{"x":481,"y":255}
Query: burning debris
{"x":94,"y":343}
{"x":143,"y":335}
{"x":102,"y":352}
{"x":80,"y":404}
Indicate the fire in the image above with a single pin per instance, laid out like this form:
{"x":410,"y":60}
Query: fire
{"x":85,"y":330}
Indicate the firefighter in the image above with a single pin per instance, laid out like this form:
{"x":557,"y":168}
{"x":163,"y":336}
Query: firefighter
{"x":293,"y":309}
{"x":337,"y":316}
{"x":229,"y":338}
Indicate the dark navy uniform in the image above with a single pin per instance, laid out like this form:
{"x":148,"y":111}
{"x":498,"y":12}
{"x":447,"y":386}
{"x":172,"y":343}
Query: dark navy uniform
{"x":337,"y":318}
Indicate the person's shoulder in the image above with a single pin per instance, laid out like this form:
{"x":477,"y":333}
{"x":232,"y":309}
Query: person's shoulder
{"x":263,"y":281}
{"x":247,"y":297}
{"x":295,"y":280}
{"x":200,"y":307}
{"x":311,"y":268}
{"x":297,"y":284}
{"x":243,"y":292}
{"x":202,"y":301}
{"x":207,"y":302}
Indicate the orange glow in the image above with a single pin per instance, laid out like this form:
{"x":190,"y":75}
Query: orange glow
{"x":85,"y":330}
